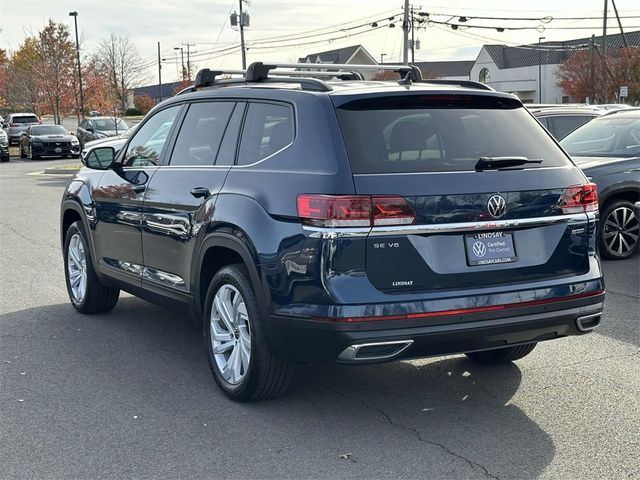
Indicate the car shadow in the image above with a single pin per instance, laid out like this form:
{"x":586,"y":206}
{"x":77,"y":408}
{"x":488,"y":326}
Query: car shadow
{"x":446,"y":417}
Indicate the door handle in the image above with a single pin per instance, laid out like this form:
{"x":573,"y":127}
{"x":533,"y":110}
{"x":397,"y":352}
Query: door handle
{"x":139,"y":188}
{"x":200,"y":192}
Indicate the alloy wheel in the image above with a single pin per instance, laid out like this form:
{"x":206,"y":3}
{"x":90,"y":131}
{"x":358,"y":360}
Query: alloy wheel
{"x":77,"y":268}
{"x":621,"y":230}
{"x":230,"y":334}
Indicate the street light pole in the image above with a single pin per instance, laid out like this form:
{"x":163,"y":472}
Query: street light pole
{"x":540,"y":69}
{"x":75,"y":21}
{"x":181,"y":58}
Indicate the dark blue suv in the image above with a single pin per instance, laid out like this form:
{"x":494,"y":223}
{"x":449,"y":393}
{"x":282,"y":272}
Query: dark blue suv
{"x":302,"y":220}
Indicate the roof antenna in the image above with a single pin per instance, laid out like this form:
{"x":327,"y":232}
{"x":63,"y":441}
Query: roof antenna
{"x":406,"y":80}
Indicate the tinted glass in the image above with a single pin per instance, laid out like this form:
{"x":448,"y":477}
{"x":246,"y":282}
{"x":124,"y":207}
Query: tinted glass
{"x":268,"y":128}
{"x":48,"y":130}
{"x":107,"y":124}
{"x":440,"y":133}
{"x":610,"y":136}
{"x":201,"y":133}
{"x":561,"y":126}
{"x":24,"y":119}
{"x":145,"y":147}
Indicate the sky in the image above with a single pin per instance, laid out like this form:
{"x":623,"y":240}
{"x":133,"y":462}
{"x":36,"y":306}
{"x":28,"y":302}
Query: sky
{"x":324,"y":24}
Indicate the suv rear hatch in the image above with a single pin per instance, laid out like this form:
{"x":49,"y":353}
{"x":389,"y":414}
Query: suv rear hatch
{"x":518,"y":215}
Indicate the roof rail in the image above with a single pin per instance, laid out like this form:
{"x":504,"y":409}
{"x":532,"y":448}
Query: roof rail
{"x":262,"y":71}
{"x":461,"y":83}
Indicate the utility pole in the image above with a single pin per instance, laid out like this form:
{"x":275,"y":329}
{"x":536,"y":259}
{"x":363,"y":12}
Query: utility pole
{"x":592,"y":65}
{"x":242,"y":25}
{"x":624,"y":37}
{"x":413,"y":40}
{"x":159,"y":75}
{"x":405,"y":34}
{"x":75,"y":21}
{"x":182,"y":60}
{"x":604,"y":51}
{"x":189,"y":59}
{"x":540,"y":69}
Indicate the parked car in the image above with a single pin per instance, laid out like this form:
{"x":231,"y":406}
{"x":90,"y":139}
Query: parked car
{"x":4,"y":146}
{"x":116,"y":142}
{"x":613,"y":106}
{"x":17,"y":123}
{"x":48,"y":141}
{"x":608,"y":152}
{"x":311,"y":224}
{"x":561,"y":120}
{"x":100,"y":127}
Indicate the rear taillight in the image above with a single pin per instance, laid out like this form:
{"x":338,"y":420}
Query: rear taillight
{"x":14,"y":124}
{"x":354,"y":210}
{"x":580,"y":199}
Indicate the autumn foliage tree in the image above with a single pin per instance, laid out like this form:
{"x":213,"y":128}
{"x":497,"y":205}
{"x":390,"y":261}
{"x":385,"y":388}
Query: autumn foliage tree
{"x":583,"y":77}
{"x":143,"y":103}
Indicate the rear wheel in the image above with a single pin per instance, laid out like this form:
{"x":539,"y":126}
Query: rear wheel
{"x":238,"y":353}
{"x":619,"y":230}
{"x":86,"y":292}
{"x":502,"y":355}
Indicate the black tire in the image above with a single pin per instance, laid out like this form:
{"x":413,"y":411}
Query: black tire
{"x":609,"y":237}
{"x":267,"y":375}
{"x":22,"y":154}
{"x":31,"y":156}
{"x":502,"y":355}
{"x":4,"y":159}
{"x":98,"y":298}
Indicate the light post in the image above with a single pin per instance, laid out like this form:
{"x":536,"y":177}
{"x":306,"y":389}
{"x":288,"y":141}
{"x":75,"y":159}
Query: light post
{"x":540,"y":69}
{"x":181,"y":58}
{"x":75,"y":21}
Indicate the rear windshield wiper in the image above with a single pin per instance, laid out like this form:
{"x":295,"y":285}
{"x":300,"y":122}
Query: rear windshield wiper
{"x":493,"y":163}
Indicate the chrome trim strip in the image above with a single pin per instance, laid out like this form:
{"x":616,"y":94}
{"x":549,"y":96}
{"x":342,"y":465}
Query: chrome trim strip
{"x":334,"y":233}
{"x":350,"y":354}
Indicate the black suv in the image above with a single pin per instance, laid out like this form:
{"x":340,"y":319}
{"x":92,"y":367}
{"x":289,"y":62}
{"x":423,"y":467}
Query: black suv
{"x":307,"y":220}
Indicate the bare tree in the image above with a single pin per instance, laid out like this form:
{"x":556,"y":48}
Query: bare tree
{"x":123,"y":65}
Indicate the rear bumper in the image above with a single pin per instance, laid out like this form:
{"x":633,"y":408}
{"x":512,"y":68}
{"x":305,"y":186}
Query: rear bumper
{"x":308,"y":340}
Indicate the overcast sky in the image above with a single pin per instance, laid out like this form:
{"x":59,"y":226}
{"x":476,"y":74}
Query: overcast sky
{"x":206,"y":23}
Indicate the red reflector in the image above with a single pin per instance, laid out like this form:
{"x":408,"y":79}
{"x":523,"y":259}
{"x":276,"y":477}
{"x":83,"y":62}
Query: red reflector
{"x":354,"y":210}
{"x":461,"y":311}
{"x":580,"y":198}
{"x":14,"y":124}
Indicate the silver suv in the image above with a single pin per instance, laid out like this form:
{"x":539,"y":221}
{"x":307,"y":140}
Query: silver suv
{"x":17,"y":123}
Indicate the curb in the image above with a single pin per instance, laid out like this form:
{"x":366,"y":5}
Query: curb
{"x":60,"y":171}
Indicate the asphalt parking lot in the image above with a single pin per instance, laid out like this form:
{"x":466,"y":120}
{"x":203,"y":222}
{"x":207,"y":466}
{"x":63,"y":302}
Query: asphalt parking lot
{"x":129,"y":393}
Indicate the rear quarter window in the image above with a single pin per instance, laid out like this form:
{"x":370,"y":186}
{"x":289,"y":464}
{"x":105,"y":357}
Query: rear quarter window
{"x":440,"y":133}
{"x":268,"y":128}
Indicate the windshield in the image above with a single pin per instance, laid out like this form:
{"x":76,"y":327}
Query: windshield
{"x":107,"y":124}
{"x":440,"y":133}
{"x":614,"y":136}
{"x":25,"y":119}
{"x":48,"y":130}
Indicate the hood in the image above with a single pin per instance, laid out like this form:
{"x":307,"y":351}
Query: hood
{"x":54,"y":138}
{"x":586,"y":163}
{"x":106,"y":142}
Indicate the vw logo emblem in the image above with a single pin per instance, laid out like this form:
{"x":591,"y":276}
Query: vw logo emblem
{"x":497,"y":206}
{"x":479,"y":249}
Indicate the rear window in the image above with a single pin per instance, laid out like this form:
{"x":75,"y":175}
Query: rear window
{"x":440,"y":133}
{"x":25,"y":119}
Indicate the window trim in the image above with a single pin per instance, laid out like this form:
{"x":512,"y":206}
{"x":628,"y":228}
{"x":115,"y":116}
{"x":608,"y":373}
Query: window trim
{"x":244,"y":120}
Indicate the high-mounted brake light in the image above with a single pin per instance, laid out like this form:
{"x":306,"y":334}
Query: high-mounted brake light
{"x":580,"y":198}
{"x":354,"y":210}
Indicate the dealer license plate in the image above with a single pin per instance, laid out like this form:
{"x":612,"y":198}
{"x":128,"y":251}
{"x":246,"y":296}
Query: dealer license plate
{"x":490,"y":248}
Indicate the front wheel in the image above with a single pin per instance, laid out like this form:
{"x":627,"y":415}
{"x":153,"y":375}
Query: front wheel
{"x":31,"y":155}
{"x":502,"y":355}
{"x":619,"y":230}
{"x":238,"y":353}
{"x":86,"y":292}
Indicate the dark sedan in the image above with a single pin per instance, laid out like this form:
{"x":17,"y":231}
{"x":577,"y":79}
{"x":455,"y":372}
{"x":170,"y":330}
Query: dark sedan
{"x":100,"y":127}
{"x":607,"y":150}
{"x":48,"y":141}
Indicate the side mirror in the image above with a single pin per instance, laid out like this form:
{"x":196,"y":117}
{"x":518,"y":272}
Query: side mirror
{"x":100,"y":158}
{"x":90,"y":129}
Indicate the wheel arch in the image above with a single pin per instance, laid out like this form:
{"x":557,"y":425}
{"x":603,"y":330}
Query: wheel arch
{"x":629,"y":194}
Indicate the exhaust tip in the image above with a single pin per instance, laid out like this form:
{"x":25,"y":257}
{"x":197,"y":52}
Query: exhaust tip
{"x":588,"y":322}
{"x":374,"y":351}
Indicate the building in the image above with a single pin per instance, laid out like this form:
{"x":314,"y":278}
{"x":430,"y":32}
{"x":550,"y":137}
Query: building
{"x":153,"y":91}
{"x":450,"y":70}
{"x":355,"y":54}
{"x":529,"y":71}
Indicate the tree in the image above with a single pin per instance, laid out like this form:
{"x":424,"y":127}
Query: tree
{"x":4,"y":78}
{"x":582,"y":76}
{"x":96,"y":86}
{"x":385,"y":75}
{"x":143,"y":103}
{"x":54,"y":68}
{"x":122,"y":65}
{"x":23,"y":89}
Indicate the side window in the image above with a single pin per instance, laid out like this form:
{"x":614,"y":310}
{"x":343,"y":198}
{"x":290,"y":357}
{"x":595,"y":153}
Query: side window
{"x":563,"y":126}
{"x":268,"y":128}
{"x":544,"y":122}
{"x":145,"y":147}
{"x":201,"y":134}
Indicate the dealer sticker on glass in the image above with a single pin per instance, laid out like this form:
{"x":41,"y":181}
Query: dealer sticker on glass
{"x":489,"y":248}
